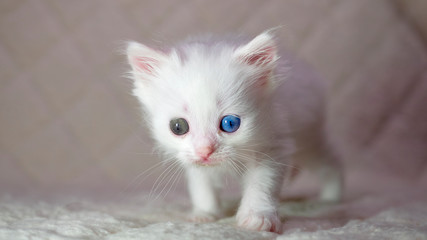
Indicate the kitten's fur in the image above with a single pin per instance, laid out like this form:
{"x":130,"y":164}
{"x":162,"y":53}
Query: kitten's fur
{"x":279,"y":104}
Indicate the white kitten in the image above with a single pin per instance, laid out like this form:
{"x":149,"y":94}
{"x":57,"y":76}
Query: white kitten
{"x":217,"y":108}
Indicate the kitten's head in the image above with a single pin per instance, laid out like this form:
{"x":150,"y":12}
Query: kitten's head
{"x":207,"y":102}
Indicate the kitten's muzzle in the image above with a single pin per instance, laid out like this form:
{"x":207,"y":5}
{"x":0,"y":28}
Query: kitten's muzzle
{"x":205,"y":152}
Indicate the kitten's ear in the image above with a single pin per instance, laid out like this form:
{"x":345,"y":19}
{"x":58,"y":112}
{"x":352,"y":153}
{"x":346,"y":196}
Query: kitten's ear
{"x":144,"y":60}
{"x":260,"y":52}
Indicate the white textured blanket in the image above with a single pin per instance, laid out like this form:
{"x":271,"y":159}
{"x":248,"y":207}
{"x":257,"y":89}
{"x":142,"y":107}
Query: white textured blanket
{"x":390,"y":218}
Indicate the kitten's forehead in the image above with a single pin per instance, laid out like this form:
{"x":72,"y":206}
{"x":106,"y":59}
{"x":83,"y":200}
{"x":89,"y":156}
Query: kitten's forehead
{"x":204,"y":74}
{"x":202,"y":81}
{"x":199,"y":86}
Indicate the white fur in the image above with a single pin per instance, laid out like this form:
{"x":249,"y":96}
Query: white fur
{"x":201,"y":81}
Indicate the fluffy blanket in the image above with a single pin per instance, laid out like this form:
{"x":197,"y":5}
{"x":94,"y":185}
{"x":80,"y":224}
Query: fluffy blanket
{"x":374,"y":216}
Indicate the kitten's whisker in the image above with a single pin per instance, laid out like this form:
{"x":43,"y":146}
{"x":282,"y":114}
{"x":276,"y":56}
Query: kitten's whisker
{"x":161,"y":163}
{"x":240,"y":166}
{"x":256,"y":144}
{"x":137,"y":178}
{"x":176,"y":170}
{"x":253,"y":161}
{"x":161,"y":178}
{"x":269,"y":163}
{"x":236,"y":168}
{"x":231,"y":164}
{"x":175,"y":182}
{"x":243,"y":157}
{"x":270,"y":159}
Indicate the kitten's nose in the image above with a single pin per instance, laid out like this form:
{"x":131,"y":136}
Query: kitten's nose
{"x":205,"y":151}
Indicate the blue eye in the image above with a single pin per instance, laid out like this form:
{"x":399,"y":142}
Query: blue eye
{"x":230,"y":123}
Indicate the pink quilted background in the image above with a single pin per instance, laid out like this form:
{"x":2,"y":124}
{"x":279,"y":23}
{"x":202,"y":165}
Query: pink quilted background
{"x":68,"y":121}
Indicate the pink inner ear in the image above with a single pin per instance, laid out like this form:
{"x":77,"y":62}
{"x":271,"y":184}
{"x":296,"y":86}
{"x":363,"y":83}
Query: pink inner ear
{"x":146,"y":64}
{"x":261,"y":57}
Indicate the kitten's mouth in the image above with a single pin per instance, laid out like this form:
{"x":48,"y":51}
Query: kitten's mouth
{"x":207,"y":162}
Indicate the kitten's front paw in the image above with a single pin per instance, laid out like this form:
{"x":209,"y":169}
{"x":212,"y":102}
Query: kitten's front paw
{"x":201,"y":217}
{"x":260,"y":221}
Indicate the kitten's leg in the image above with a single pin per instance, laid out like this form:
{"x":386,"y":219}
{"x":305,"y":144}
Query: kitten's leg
{"x":321,"y":162}
{"x":258,"y":208}
{"x":331,"y":177}
{"x":203,"y":193}
{"x":329,"y":173}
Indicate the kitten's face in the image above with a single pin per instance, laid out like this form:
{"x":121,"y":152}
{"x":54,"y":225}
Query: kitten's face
{"x":204,"y":109}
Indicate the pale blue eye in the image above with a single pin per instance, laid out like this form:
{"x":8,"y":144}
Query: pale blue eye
{"x":230,"y":123}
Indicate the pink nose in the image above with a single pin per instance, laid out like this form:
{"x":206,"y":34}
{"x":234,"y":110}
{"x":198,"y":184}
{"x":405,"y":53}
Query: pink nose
{"x":205,"y":151}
